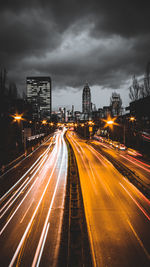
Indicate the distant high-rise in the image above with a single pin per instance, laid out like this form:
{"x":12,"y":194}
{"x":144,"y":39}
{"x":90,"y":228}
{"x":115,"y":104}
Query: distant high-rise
{"x":86,"y":100}
{"x":116,"y":104}
{"x":39,"y":95}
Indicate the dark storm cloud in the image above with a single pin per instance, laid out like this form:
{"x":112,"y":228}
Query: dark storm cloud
{"x":103,"y":42}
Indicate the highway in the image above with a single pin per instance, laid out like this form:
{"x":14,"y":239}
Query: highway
{"x":136,"y":164}
{"x":32,"y":206}
{"x":117,"y":213}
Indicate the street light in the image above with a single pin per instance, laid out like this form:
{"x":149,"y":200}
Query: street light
{"x":44,"y":122}
{"x":132,"y":118}
{"x":109,"y":123}
{"x":19,"y":119}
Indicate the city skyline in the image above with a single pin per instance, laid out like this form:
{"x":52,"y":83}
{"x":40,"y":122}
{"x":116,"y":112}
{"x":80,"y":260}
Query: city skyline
{"x":102,"y":43}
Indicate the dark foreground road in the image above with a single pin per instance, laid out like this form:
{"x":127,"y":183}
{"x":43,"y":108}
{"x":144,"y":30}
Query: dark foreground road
{"x":117,"y":213}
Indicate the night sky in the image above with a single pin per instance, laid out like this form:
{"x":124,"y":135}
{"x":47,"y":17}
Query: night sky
{"x":100,"y":42}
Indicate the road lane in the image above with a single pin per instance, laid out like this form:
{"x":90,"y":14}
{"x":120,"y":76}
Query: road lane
{"x":117,"y":214}
{"x":140,"y":168}
{"x":21,"y":169}
{"x":35,"y":228}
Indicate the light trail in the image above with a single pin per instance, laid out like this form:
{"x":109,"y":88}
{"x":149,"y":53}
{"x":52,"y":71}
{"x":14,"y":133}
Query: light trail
{"x":25,"y":157}
{"x":36,"y":257}
{"x":137,"y":204}
{"x":138,"y":191}
{"x":147,"y":165}
{"x":135,"y":163}
{"x":22,"y":188}
{"x":27,"y":211}
{"x":25,"y":174}
{"x":139,"y":240}
{"x":42,"y":247}
{"x":13,"y":195}
{"x":22,"y":199}
{"x":33,"y":216}
{"x":97,"y":154}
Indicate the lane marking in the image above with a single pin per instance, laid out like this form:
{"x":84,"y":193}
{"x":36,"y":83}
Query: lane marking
{"x":138,"y":205}
{"x":139,"y":240}
{"x":26,"y":211}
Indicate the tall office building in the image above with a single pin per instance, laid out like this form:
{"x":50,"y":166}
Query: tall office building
{"x":86,"y":100}
{"x":39,"y":95}
{"x":116,"y":104}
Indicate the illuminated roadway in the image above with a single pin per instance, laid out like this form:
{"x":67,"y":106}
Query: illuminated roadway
{"x":31,"y":210}
{"x":142,"y":169}
{"x":117,"y":213}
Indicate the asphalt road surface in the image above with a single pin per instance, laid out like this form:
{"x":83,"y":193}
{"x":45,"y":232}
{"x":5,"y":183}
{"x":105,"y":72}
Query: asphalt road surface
{"x":117,"y":213}
{"x":31,"y":210}
{"x":136,"y":164}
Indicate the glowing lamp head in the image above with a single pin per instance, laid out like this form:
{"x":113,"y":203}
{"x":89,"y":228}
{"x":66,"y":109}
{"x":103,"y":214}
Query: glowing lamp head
{"x":110,"y":122}
{"x":18,"y":118}
{"x":132,"y":118}
{"x":44,"y":122}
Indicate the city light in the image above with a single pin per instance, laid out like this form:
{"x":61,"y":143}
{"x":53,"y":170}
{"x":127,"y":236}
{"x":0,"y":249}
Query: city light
{"x":132,"y":118}
{"x":91,"y":123}
{"x":44,"y":122}
{"x":110,"y":122}
{"x":17,"y":117}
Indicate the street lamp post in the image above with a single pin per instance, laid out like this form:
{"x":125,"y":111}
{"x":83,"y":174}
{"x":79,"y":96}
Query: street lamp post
{"x":19,"y":119}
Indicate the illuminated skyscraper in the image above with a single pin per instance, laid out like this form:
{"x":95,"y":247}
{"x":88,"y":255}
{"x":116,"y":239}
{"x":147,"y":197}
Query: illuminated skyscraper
{"x":39,"y":95}
{"x":86,"y":100}
{"x":116,"y":104}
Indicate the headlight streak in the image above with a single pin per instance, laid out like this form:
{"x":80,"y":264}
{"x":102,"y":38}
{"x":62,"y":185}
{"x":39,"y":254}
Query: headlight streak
{"x":37,"y":207}
{"x":25,"y":157}
{"x":20,"y":202}
{"x":22,"y":188}
{"x":14,"y":195}
{"x":105,"y":186}
{"x":138,"y":191}
{"x":87,"y":219}
{"x":135,"y":163}
{"x":43,"y":244}
{"x":37,"y":257}
{"x":137,"y":204}
{"x":27,"y":211}
{"x":24,"y":174}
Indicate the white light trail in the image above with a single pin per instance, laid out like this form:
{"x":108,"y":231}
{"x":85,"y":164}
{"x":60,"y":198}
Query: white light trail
{"x":24,"y":174}
{"x":36,"y":257}
{"x":21,"y":201}
{"x":22,"y":188}
{"x":33,"y":216}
